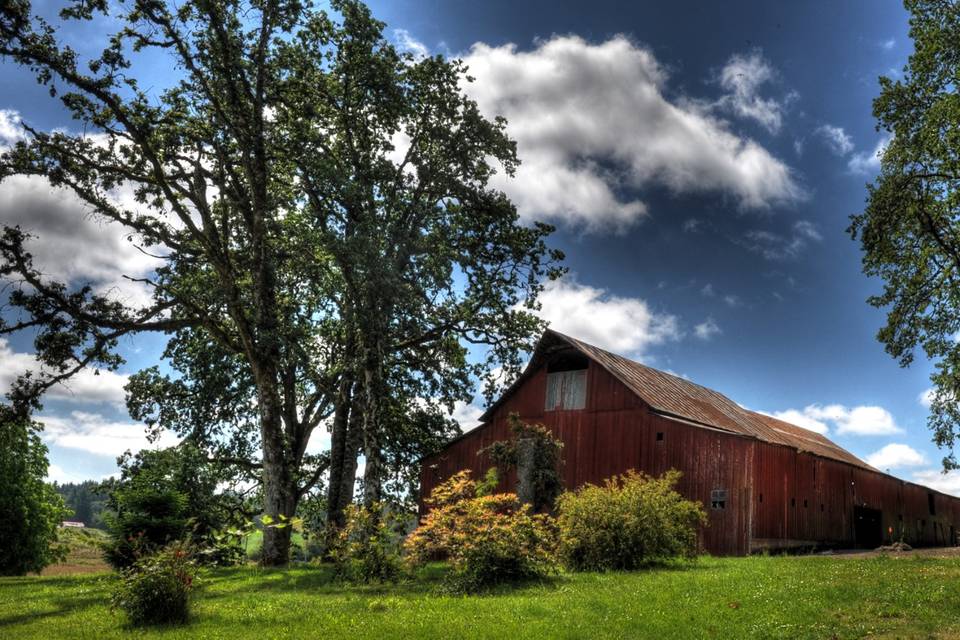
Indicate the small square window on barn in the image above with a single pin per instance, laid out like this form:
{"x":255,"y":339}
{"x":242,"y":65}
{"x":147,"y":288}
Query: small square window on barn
{"x":804,"y":503}
{"x":566,"y":390}
{"x":793,"y":502}
{"x":761,"y":497}
{"x":718,"y":499}
{"x":659,"y":436}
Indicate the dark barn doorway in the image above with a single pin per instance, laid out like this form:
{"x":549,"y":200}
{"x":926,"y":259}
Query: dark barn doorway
{"x":867,"y":527}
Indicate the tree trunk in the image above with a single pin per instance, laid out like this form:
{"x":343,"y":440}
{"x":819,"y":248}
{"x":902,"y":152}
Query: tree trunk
{"x":279,"y":491}
{"x":373,"y":471}
{"x":338,"y":494}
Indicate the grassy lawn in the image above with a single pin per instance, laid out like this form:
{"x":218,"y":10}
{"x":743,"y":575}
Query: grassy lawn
{"x":760,"y":597}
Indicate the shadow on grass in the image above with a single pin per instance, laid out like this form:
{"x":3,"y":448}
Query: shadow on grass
{"x":62,"y":606}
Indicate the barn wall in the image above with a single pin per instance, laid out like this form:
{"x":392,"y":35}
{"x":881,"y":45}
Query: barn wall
{"x":614,"y":433}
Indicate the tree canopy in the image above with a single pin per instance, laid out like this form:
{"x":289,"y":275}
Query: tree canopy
{"x":32,"y":509}
{"x":910,"y":228}
{"x":330,"y":248}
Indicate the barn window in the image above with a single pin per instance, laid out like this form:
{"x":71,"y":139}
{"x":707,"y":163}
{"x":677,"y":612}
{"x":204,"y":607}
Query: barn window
{"x":566,"y":390}
{"x":793,"y":502}
{"x":821,"y":507}
{"x":761,"y":497}
{"x":932,"y":504}
{"x":718,"y":499}
{"x":804,"y":503}
{"x":659,"y":436}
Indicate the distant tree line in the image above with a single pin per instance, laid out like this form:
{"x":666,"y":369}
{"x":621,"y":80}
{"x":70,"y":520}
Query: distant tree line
{"x":86,"y":500}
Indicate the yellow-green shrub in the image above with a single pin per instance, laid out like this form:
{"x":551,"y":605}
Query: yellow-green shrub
{"x":488,"y":540}
{"x":633,"y":520}
{"x":367,"y":549}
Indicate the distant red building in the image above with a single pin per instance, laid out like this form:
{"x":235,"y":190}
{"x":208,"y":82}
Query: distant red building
{"x":765,"y":483}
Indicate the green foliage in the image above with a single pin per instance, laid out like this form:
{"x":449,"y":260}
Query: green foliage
{"x":631,"y":521}
{"x":146,"y":518}
{"x":171,"y":494}
{"x":535,"y":454}
{"x":300,"y":246}
{"x":30,"y":509}
{"x":87,"y":500}
{"x":156,"y":590}
{"x":488,"y":540}
{"x":367,"y":549}
{"x":909,"y":230}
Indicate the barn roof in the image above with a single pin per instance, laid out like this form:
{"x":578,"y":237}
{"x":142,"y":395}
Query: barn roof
{"x":676,"y":397}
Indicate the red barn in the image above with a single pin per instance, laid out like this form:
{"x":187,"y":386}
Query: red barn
{"x":765,"y":483}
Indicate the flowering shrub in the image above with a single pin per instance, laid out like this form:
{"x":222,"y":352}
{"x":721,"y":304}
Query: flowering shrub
{"x":367,"y":549}
{"x":488,"y":540}
{"x":156,"y":588}
{"x":631,"y":521}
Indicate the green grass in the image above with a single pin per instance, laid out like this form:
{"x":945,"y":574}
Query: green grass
{"x":759,"y":597}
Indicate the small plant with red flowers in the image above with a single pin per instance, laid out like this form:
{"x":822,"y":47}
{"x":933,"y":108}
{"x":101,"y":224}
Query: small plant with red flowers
{"x":156,"y":589}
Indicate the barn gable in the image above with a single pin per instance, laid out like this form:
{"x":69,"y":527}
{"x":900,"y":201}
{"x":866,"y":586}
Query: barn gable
{"x":675,"y":397}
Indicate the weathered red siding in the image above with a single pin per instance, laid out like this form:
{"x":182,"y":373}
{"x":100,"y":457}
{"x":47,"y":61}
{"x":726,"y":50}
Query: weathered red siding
{"x":777,"y":496}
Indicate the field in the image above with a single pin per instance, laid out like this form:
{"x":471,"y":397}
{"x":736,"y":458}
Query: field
{"x":758,"y":597}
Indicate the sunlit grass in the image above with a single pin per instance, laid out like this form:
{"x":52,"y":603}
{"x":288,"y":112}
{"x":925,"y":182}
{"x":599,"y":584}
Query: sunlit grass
{"x":760,"y":597}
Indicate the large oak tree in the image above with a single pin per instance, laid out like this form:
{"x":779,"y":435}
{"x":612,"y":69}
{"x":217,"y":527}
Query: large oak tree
{"x":331,"y":250}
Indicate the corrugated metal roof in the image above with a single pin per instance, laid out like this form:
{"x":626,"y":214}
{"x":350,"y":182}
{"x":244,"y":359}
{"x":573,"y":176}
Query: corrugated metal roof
{"x":675,"y":396}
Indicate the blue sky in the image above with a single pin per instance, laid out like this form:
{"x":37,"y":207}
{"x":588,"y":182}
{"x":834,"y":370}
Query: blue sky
{"x":700,"y":161}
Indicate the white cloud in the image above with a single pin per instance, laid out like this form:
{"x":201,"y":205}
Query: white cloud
{"x":10,"y":129}
{"x":708,"y":291}
{"x":861,"y":420}
{"x":406,"y":42}
{"x":731,"y":300}
{"x":692,"y":225}
{"x":87,"y":386}
{"x":592,"y":120}
{"x":71,"y":244}
{"x":621,"y":325}
{"x":887,"y":45}
{"x":926,"y":397}
{"x":707,"y":329}
{"x":938,"y":480}
{"x":93,"y":433}
{"x":777,"y":246}
{"x":800,"y":419}
{"x":837,"y":140}
{"x":467,"y":415}
{"x":895,"y":455}
{"x":869,"y":162}
{"x":742,"y":76}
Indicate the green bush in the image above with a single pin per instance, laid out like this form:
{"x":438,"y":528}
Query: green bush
{"x":367,"y":549}
{"x":156,"y":589}
{"x":489,"y":539}
{"x":146,"y":519}
{"x":632,"y":521}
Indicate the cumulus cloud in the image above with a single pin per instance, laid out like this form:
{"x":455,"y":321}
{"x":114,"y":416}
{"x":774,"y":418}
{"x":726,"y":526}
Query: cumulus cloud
{"x":836,"y":139}
{"x":467,"y":415}
{"x":622,"y":325}
{"x":93,"y":433}
{"x":10,"y":129}
{"x":742,"y":77}
{"x":70,"y":243}
{"x":926,"y":397}
{"x":779,"y":246}
{"x":593,"y":124}
{"x":707,"y":329}
{"x":87,"y":386}
{"x":860,"y":420}
{"x":895,"y":455}
{"x":936,"y":479}
{"x":868,"y":162}
{"x":406,"y":42}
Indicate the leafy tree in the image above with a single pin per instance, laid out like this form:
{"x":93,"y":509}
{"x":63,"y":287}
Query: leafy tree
{"x":86,"y":500}
{"x":169,"y":495}
{"x":32,"y":510}
{"x":910,"y":228}
{"x":320,"y":205}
